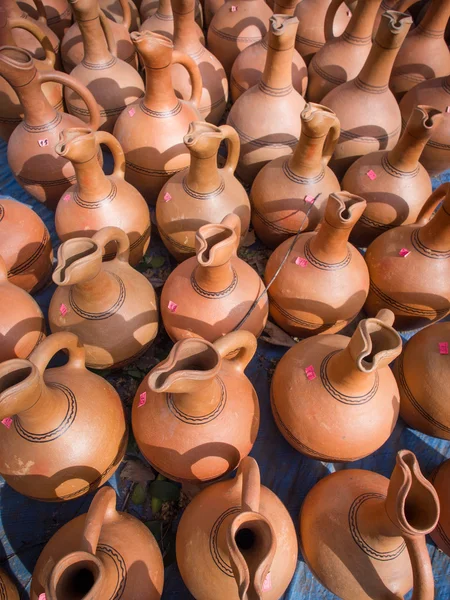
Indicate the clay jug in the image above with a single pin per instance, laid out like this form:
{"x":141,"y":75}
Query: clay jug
{"x":110,"y":306}
{"x":342,"y":58}
{"x":215,"y":292}
{"x":441,"y":481}
{"x":236,"y":25}
{"x":267,"y":116}
{"x":215,"y":85}
{"x":25,"y":245}
{"x":101,"y":554}
{"x":363,"y":535}
{"x":366,"y":107}
{"x":97,"y":200}
{"x":71,"y":444}
{"x":283,"y":189}
{"x":409,"y":267}
{"x":12,"y":111}
{"x":424,"y":53}
{"x":9,"y":591}
{"x":22,"y":325}
{"x":324,"y":282}
{"x":207,"y":403}
{"x":334,"y":398}
{"x":202,"y":193}
{"x":243,"y":536}
{"x":393,"y":182}
{"x":151,"y":131}
{"x":162,"y":21}
{"x":310,"y":36}
{"x":436,"y":92}
{"x":31,"y":149}
{"x":57,"y":12}
{"x":149,"y":7}
{"x":124,"y":12}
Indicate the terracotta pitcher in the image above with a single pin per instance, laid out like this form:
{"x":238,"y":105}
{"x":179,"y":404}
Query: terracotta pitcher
{"x":9,"y":591}
{"x":124,"y":12}
{"x":267,"y":116}
{"x":151,"y":131}
{"x":110,"y":306}
{"x":58,"y":14}
{"x":393,"y":182}
{"x":441,"y":481}
{"x":334,"y":398}
{"x":97,"y":200}
{"x":22,"y":325}
{"x":114,"y":83}
{"x":69,"y":443}
{"x":207,"y":403}
{"x":236,"y":25}
{"x":244,"y":540}
{"x":342,"y":58}
{"x":202,"y":193}
{"x":324,"y":282}
{"x":215,"y":292}
{"x":409,"y":267}
{"x":31,"y":148}
{"x":101,"y":554}
{"x":283,"y":189}
{"x":363,"y":535}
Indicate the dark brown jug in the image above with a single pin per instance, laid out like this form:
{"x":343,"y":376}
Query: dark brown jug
{"x":57,"y":12}
{"x":124,"y":12}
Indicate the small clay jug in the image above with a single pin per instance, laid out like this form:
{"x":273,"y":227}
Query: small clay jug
{"x":236,"y":25}
{"x":283,"y":190}
{"x":363,"y":535}
{"x":215,"y":85}
{"x":409,"y":267}
{"x":22,"y":325}
{"x":124,"y":12}
{"x":215,"y":292}
{"x":9,"y":591}
{"x":267,"y":116}
{"x":31,"y":149}
{"x":206,"y":402}
{"x":441,"y":482}
{"x":25,"y":245}
{"x":97,"y":200}
{"x":436,"y":92}
{"x":151,"y":131}
{"x":393,"y":182}
{"x":202,"y":193}
{"x":162,"y":22}
{"x":101,"y":554}
{"x":367,"y":110}
{"x":342,"y":58}
{"x":58,"y":14}
{"x":244,"y":540}
{"x":424,"y":53}
{"x":423,"y":376}
{"x":324,"y":282}
{"x":114,"y":83}
{"x":334,"y":398}
{"x":110,"y":306}
{"x":310,"y":36}
{"x":67,"y":424}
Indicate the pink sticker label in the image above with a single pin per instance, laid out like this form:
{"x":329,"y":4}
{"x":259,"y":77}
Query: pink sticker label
{"x":371,"y":174}
{"x":66,"y":198}
{"x":131,"y":112}
{"x":301,"y":262}
{"x":42,"y":597}
{"x":63,"y":310}
{"x":443,"y":347}
{"x":172,"y":306}
{"x":404,"y":252}
{"x":267,"y":585}
{"x":309,"y":199}
{"x":142,"y":399}
{"x":310,"y":373}
{"x":43,"y":143}
{"x":233,"y":8}
{"x":7,"y":422}
{"x":167,"y":197}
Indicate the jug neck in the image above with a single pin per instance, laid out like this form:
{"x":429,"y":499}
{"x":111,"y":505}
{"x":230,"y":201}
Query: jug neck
{"x":215,"y":279}
{"x":360,"y":27}
{"x":204,"y":176}
{"x":435,"y":20}
{"x":159,"y":93}
{"x":307,"y":158}
{"x":277,"y":75}
{"x":330,"y":244}
{"x":185,"y":36}
{"x":203,"y":401}
{"x":96,"y":51}
{"x":435,"y":235}
{"x":344,"y":374}
{"x":165,"y":9}
{"x":104,"y":289}
{"x":92,"y":183}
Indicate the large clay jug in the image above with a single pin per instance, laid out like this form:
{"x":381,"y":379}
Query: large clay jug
{"x":236,"y":25}
{"x":114,"y":83}
{"x":31,"y":148}
{"x":97,"y":200}
{"x":363,"y":535}
{"x":324,"y":282}
{"x":244,"y":540}
{"x":267,"y":116}
{"x":283,"y":189}
{"x":215,"y":292}
{"x":70,"y":443}
{"x":335,"y":398}
{"x":9,"y":591}
{"x":201,"y":193}
{"x":393,"y":182}
{"x":342,"y":58}
{"x":151,"y":131}
{"x":58,"y":14}
{"x":124,"y":12}
{"x":441,"y":481}
{"x":409,"y":267}
{"x":110,"y":306}
{"x":206,"y":402}
{"x":22,"y":325}
{"x":101,"y":554}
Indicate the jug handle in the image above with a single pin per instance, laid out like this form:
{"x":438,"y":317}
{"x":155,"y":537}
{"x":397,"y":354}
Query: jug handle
{"x":126,"y":12}
{"x":242,"y":341}
{"x":101,"y":510}
{"x":194,"y":73}
{"x":110,"y":39}
{"x":114,"y":234}
{"x":42,"y":15}
{"x":234,"y":147}
{"x":431,"y":204}
{"x":248,"y":471}
{"x":80,"y":89}
{"x":423,"y":580}
{"x":103,"y":137}
{"x":233,"y":222}
{"x":330,"y":142}
{"x":36,"y":31}
{"x":329,"y":19}
{"x":62,"y":340}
